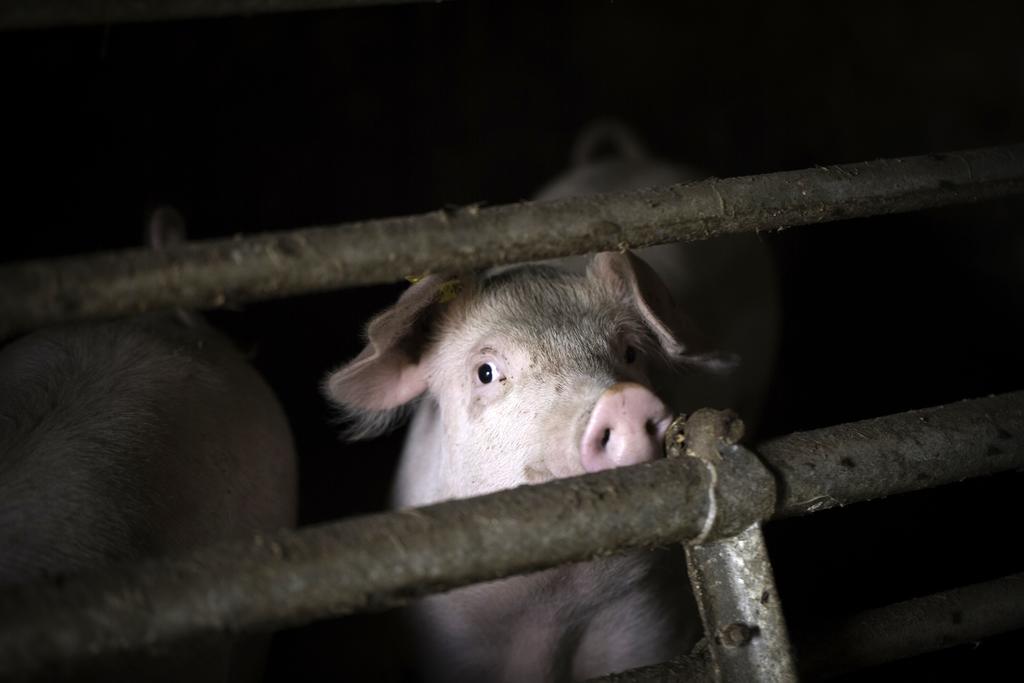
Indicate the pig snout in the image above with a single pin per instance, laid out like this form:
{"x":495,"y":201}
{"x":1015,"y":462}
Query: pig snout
{"x":626,"y":427}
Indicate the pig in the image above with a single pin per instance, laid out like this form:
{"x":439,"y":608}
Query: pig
{"x":134,"y":438}
{"x":554,"y":369}
{"x":529,"y":374}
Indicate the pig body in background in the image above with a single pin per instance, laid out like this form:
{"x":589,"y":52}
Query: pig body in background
{"x":728,"y":284}
{"x":134,"y":438}
{"x":527,"y":375}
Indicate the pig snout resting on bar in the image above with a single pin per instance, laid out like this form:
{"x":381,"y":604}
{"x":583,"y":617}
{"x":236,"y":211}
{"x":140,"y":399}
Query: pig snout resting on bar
{"x":521,"y":376}
{"x":135,"y":438}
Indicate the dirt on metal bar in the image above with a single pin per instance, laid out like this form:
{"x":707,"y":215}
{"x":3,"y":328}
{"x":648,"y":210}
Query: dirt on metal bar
{"x":216,"y":273}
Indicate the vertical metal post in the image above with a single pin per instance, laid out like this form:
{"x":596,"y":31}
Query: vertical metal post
{"x":735,"y":588}
{"x":732,"y":576}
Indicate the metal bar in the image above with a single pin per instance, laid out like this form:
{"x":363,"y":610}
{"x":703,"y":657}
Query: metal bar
{"x":739,"y":604}
{"x":914,"y":627}
{"x":362,"y":564}
{"x":384,"y":560}
{"x":732,"y":577}
{"x":920,"y":449}
{"x":272,"y":265}
{"x":49,"y":13}
{"x":876,"y":636}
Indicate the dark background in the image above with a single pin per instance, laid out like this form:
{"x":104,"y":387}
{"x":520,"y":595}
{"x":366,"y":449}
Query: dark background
{"x":271,"y":122}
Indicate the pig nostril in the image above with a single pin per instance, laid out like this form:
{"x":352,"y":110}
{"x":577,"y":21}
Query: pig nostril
{"x":651,"y":427}
{"x":605,"y":437}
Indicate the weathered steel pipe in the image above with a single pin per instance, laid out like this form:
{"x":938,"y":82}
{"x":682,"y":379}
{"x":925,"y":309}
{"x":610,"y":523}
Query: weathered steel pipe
{"x":876,"y":636}
{"x":219,"y":272}
{"x":914,"y":627}
{"x":383,"y":560}
{"x":19,"y":14}
{"x":732,"y":577}
{"x":734,"y":584}
{"x":920,"y":449}
{"x":361,"y":564}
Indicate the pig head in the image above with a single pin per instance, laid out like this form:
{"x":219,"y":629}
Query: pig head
{"x":524,"y":376}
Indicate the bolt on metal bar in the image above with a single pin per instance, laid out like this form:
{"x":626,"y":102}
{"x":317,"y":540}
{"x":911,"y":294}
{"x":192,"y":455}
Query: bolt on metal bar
{"x":214,"y":273}
{"x":16,"y":14}
{"x":914,"y":627}
{"x":384,"y":560}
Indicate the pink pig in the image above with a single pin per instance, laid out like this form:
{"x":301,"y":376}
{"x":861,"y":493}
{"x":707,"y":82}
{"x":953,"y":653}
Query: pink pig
{"x":552,"y":370}
{"x":530,"y":374}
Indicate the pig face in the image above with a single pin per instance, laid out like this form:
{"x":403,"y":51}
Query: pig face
{"x":527,"y":375}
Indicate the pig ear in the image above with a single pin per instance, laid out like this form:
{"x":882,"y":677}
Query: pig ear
{"x":681,"y":340}
{"x":373,"y":388}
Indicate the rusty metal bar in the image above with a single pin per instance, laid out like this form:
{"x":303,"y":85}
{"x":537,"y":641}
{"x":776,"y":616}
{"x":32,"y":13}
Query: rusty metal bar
{"x":914,"y":627}
{"x":16,"y":14}
{"x":384,"y":560}
{"x":215,"y":273}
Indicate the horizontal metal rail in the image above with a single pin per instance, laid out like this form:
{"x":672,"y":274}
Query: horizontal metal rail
{"x":18,"y":14}
{"x":361,"y":564}
{"x":876,"y":636}
{"x":383,"y":560}
{"x":859,"y":461}
{"x":914,"y":627}
{"x":215,"y":273}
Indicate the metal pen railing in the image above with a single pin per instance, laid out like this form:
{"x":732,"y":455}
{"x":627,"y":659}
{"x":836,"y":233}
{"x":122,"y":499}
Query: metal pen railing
{"x":713,"y":495}
{"x":214,"y":273}
{"x":383,"y":560}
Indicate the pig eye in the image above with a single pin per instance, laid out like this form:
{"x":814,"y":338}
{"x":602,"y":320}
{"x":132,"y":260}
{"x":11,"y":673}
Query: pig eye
{"x":630,"y":354}
{"x":485,"y":373}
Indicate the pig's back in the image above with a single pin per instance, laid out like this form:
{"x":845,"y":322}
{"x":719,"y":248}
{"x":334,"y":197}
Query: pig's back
{"x":133,"y":438}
